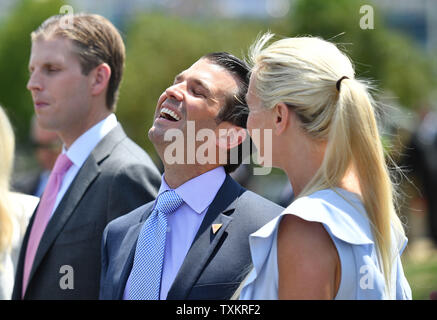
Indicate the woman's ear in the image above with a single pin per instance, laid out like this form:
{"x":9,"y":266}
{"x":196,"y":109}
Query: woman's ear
{"x":230,"y":136}
{"x":281,"y":115}
{"x":100,"y":79}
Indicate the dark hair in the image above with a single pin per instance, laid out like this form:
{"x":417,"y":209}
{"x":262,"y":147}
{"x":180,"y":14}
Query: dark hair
{"x":96,"y":41}
{"x":235,"y":109}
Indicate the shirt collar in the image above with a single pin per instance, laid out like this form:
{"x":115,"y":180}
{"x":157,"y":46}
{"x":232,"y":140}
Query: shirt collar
{"x":199,"y":192}
{"x":82,"y":146}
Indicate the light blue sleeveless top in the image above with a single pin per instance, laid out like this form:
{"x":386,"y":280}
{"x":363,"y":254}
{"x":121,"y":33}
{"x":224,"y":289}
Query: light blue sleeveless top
{"x":344,"y":218}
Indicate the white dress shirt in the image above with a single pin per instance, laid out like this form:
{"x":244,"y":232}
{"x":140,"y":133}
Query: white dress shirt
{"x":80,"y":150}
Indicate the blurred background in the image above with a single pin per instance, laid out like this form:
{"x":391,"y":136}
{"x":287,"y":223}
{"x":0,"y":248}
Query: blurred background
{"x":393,"y":43}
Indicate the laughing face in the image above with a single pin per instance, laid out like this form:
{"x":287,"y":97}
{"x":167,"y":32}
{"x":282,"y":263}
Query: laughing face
{"x":197,"y":94}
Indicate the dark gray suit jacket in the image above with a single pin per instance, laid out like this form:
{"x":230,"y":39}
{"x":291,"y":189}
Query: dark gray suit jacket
{"x":215,"y":264}
{"x":117,"y":177}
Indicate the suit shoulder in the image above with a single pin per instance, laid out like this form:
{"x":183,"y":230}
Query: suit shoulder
{"x":127,"y":157}
{"x":128,"y":148}
{"x":255,"y":209}
{"x":128,"y":219}
{"x":254,"y":200}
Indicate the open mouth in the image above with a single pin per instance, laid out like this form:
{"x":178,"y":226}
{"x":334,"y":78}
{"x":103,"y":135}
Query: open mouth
{"x":169,"y":115}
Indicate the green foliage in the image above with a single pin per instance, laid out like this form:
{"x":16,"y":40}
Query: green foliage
{"x":158,"y":48}
{"x":14,"y":56}
{"x":387,"y":57}
{"x":421,"y":271}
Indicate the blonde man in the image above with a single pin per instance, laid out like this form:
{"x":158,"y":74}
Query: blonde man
{"x":75,"y":72}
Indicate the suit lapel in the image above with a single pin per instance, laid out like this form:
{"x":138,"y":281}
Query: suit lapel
{"x":87,"y":174}
{"x":129,"y":244}
{"x":206,"y":241}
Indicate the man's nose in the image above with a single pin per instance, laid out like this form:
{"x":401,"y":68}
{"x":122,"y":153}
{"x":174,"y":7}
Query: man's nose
{"x":35,"y":82}
{"x":175,"y":92}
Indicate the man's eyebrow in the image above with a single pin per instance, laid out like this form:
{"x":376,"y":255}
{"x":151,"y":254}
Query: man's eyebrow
{"x":178,"y":76}
{"x":199,"y":82}
{"x":202,"y":84}
{"x":46,"y":64}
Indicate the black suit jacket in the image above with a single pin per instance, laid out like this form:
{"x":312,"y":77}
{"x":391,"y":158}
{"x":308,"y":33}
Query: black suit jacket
{"x":117,"y":177}
{"x":215,"y":264}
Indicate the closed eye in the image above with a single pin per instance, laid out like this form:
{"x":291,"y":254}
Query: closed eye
{"x":198,"y":93}
{"x":200,"y":89}
{"x":51,"y":70}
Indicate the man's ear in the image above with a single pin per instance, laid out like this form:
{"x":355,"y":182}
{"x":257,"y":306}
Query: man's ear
{"x":100,"y":78}
{"x":230,"y":135}
{"x":281,"y":114}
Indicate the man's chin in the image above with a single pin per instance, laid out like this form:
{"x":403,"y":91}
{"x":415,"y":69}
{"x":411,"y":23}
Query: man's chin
{"x":46,"y":124}
{"x":156,"y":136}
{"x":152,"y":134}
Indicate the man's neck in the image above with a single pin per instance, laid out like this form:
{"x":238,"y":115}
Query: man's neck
{"x":70,"y":135}
{"x":177,"y":175}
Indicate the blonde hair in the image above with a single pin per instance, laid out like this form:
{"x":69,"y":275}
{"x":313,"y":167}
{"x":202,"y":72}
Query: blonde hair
{"x":7,"y":146}
{"x":304,"y":73}
{"x":96,"y":40}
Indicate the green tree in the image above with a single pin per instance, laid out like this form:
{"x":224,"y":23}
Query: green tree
{"x":14,"y":56}
{"x":380,"y":54}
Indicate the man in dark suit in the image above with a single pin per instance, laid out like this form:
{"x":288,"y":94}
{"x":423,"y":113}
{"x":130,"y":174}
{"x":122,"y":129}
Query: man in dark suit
{"x":195,"y":235}
{"x":75,"y":71}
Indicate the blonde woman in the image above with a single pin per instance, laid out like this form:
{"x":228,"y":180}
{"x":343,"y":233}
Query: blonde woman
{"x":341,"y":237}
{"x":15,"y":210}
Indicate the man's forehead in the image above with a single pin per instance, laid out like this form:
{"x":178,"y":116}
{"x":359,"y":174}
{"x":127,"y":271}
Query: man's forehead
{"x":54,"y":49}
{"x":212,"y":74}
{"x":204,"y":68}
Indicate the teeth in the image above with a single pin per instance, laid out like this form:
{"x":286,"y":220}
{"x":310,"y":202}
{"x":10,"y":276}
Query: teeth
{"x":170,"y":113}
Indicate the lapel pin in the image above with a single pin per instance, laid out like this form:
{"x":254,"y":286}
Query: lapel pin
{"x":216,"y":227}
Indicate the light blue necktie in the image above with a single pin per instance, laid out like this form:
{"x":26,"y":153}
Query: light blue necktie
{"x":145,"y":278}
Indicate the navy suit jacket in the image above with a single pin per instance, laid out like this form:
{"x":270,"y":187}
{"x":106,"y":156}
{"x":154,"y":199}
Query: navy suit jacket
{"x":215,"y":264}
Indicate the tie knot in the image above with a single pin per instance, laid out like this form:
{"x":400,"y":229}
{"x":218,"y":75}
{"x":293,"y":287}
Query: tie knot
{"x":62,"y":164}
{"x":168,"y":202}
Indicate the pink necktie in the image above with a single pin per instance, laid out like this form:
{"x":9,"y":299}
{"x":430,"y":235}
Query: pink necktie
{"x":44,"y":212}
